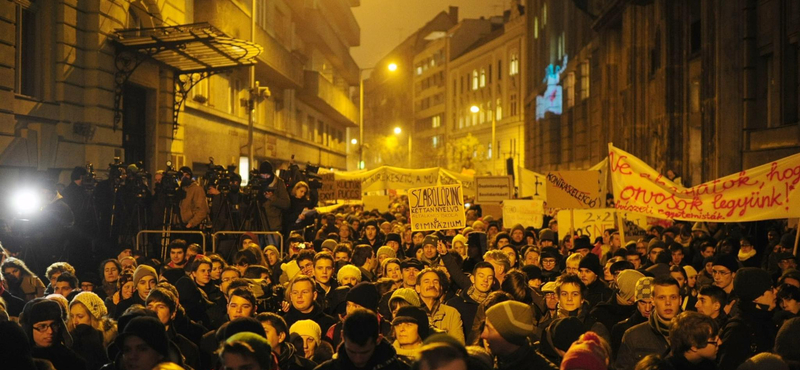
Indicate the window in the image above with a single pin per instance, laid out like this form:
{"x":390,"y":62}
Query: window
{"x":499,"y":70}
{"x":483,"y":114}
{"x":585,"y":80}
{"x":569,"y":89}
{"x":489,"y":76}
{"x":791,"y":80}
{"x":419,"y":70}
{"x":513,"y":66}
{"x":535,"y":27}
{"x":262,"y":15}
{"x":489,"y":151}
{"x":27,"y":75}
{"x":499,"y":110}
{"x":435,"y":141}
{"x":460,"y":121}
{"x":474,"y":79}
{"x":695,"y":28}
{"x":436,"y":121}
{"x":483,"y":77}
{"x":513,"y":101}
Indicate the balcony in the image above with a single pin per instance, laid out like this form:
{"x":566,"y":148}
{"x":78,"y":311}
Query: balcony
{"x":276,"y":64}
{"x":319,"y":93}
{"x":324,"y":37}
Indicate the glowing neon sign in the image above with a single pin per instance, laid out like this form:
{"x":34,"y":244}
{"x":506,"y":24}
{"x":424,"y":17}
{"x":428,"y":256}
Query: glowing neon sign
{"x":552,"y":99}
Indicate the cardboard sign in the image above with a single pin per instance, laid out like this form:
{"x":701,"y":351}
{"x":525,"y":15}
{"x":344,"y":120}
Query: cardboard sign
{"x":437,"y":208}
{"x":592,"y":222}
{"x":523,"y":211}
{"x":328,"y":191}
{"x":531,"y":184}
{"x":574,"y":189}
{"x":493,"y":189}
{"x":769,"y":191}
{"x":348,"y":189}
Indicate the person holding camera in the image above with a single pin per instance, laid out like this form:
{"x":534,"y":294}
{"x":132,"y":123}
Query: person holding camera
{"x":274,"y":198}
{"x":193,"y":207}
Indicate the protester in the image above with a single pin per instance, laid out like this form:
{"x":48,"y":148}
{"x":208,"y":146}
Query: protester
{"x":43,"y":322}
{"x":508,"y":325}
{"x":362,"y":346}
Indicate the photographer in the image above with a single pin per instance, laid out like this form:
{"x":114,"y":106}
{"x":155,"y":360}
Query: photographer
{"x":193,"y":206}
{"x":274,"y":197}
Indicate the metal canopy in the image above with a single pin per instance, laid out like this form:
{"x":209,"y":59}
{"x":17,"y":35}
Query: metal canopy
{"x":195,"y":51}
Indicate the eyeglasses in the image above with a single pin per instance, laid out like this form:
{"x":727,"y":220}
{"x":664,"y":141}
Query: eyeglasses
{"x":43,"y":327}
{"x":720,"y":272}
{"x":715,"y":342}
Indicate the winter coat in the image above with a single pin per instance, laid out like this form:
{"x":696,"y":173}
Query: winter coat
{"x":638,"y":342}
{"x":383,"y":358}
{"x":681,"y":363}
{"x":60,"y":356}
{"x":610,"y":312}
{"x":468,"y":307}
{"x":276,"y":205}
{"x":30,"y":287}
{"x":447,"y":319}
{"x":619,"y":329}
{"x":193,"y":300}
{"x":526,"y":357}
{"x":194,"y":207}
{"x":316,"y":315}
{"x":597,"y":292}
{"x":746,"y":334}
{"x":289,"y":359}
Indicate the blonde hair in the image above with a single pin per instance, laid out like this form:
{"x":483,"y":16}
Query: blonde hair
{"x":297,"y":186}
{"x":105,"y":325}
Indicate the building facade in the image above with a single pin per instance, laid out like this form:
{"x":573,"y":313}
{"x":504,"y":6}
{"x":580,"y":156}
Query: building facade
{"x":703,"y":88}
{"x":486,"y":89}
{"x":61,"y":84}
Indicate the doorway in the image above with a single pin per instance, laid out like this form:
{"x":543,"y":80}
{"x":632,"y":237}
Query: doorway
{"x":134,"y":124}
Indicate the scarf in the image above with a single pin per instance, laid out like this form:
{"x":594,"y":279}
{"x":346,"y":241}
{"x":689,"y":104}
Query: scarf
{"x":659,"y":325}
{"x":476,"y":295}
{"x":745,"y":256}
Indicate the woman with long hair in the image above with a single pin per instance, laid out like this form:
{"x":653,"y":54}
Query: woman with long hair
{"x":124,"y":291}
{"x":20,"y":281}
{"x":87,"y":308}
{"x":294,"y":218}
{"x":110,"y":270}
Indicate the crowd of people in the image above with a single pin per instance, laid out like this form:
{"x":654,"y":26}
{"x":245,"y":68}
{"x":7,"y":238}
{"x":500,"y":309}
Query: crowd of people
{"x":363,"y":290}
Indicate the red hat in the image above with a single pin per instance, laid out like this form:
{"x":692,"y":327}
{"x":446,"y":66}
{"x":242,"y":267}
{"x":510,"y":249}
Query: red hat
{"x":587,"y":353}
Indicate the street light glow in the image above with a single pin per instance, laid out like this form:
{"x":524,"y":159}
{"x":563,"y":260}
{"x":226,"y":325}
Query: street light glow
{"x":354,"y":141}
{"x":26,"y":201}
{"x":397,"y":130}
{"x":392,"y":67}
{"x":474,"y":109}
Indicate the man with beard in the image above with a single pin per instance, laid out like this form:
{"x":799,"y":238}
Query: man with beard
{"x":193,"y":207}
{"x":441,"y":316}
{"x":652,"y":337}
{"x":467,"y":299}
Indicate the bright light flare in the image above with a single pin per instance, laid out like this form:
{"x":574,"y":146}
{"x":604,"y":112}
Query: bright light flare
{"x":26,"y":201}
{"x":474,"y":109}
{"x":354,"y":141}
{"x":397,"y":130}
{"x":392,"y":67}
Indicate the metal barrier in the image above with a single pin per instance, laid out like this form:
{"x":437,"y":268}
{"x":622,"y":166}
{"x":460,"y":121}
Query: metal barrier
{"x":216,"y":234}
{"x":168,"y":235}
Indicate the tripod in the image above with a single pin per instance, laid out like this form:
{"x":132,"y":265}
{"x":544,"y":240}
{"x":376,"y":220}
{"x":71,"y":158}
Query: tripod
{"x":254,"y":218}
{"x":135,"y":221}
{"x":169,"y":217}
{"x":222,"y":218}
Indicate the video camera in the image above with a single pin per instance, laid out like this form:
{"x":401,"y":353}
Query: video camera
{"x":116,"y":173}
{"x":309,"y":175}
{"x":89,"y":180}
{"x":138,"y":180}
{"x":222,"y":178}
{"x":170,"y":181}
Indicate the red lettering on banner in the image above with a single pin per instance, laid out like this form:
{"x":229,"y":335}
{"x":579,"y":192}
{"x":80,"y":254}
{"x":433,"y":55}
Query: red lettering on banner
{"x":619,"y":165}
{"x":754,"y":200}
{"x":630,"y":193}
{"x":786,"y":174}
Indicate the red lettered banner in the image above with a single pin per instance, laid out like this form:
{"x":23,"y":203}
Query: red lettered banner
{"x":769,"y":191}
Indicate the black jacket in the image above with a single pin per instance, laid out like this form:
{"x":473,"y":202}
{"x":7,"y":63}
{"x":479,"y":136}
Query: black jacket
{"x":619,"y":329}
{"x":526,"y":357}
{"x":384,"y":358}
{"x":289,"y":359}
{"x":746,"y":334}
{"x":324,"y":321}
{"x":60,"y":356}
{"x":467,"y":307}
{"x":598,"y":292}
{"x":681,"y":363}
{"x":610,"y":312}
{"x":125,"y":304}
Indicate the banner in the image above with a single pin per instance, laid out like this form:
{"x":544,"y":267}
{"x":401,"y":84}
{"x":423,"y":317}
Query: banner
{"x":379,"y":202}
{"x":334,"y":189}
{"x":437,"y":208}
{"x":523,"y":211}
{"x":531,"y":184}
{"x":493,"y":189}
{"x":574,"y":189}
{"x":592,"y":222}
{"x":386,"y":178}
{"x":769,"y":191}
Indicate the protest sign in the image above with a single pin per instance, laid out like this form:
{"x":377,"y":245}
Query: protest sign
{"x":589,"y":222}
{"x":769,"y":191}
{"x":348,"y":189}
{"x":574,"y":189}
{"x":528,"y":212}
{"x":328,"y":190}
{"x":531,"y":184}
{"x":437,"y":207}
{"x":493,"y":189}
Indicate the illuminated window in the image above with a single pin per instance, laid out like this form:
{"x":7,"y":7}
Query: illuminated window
{"x":419,"y":70}
{"x":489,"y":151}
{"x":435,"y":141}
{"x":436,"y":121}
{"x":474,"y":79}
{"x":513,"y":66}
{"x":535,"y":27}
{"x":499,"y":110}
{"x":483,"y":77}
{"x":569,"y":87}
{"x":585,"y":80}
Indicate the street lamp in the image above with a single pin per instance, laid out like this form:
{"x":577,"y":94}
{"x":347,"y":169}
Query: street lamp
{"x":354,"y":141}
{"x":474,"y":109}
{"x":398,"y":131}
{"x":392,"y":67}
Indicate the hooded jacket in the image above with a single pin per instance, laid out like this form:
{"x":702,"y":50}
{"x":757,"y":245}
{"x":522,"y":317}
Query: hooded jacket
{"x":384,"y":358}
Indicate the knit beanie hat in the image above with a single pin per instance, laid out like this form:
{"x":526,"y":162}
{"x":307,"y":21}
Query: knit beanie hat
{"x":655,"y":243}
{"x":273,"y":249}
{"x":690,"y":271}
{"x":549,"y":287}
{"x":386,"y":251}
{"x":478,"y":224}
{"x":547,"y":234}
{"x":329,"y":244}
{"x":430,"y":239}
{"x":565,"y":331}
{"x":587,"y":353}
{"x":700,"y":226}
{"x":750,"y":283}
{"x":513,"y":320}
{"x":394,"y":237}
{"x":764,"y":361}
{"x":407,"y":294}
{"x":459,"y":239}
{"x":728,"y":261}
{"x":142,"y":271}
{"x":581,"y":242}
{"x":644,"y":288}
{"x":347,"y":271}
{"x":308,"y":328}
{"x":591,"y":262}
{"x":414,"y":315}
{"x":501,"y":235}
{"x":149,"y":330}
{"x":92,"y":302}
{"x":62,"y":301}
{"x":261,"y":348}
{"x":626,"y":281}
{"x":787,"y":240}
{"x":337,"y":300}
{"x":366,"y":295}
{"x":517,"y":227}
{"x":787,"y":342}
{"x":532,"y":272}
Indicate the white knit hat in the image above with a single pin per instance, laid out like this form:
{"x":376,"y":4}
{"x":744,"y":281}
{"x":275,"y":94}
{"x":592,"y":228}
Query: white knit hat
{"x":348,"y":270}
{"x":93,"y":304}
{"x":308,"y":328}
